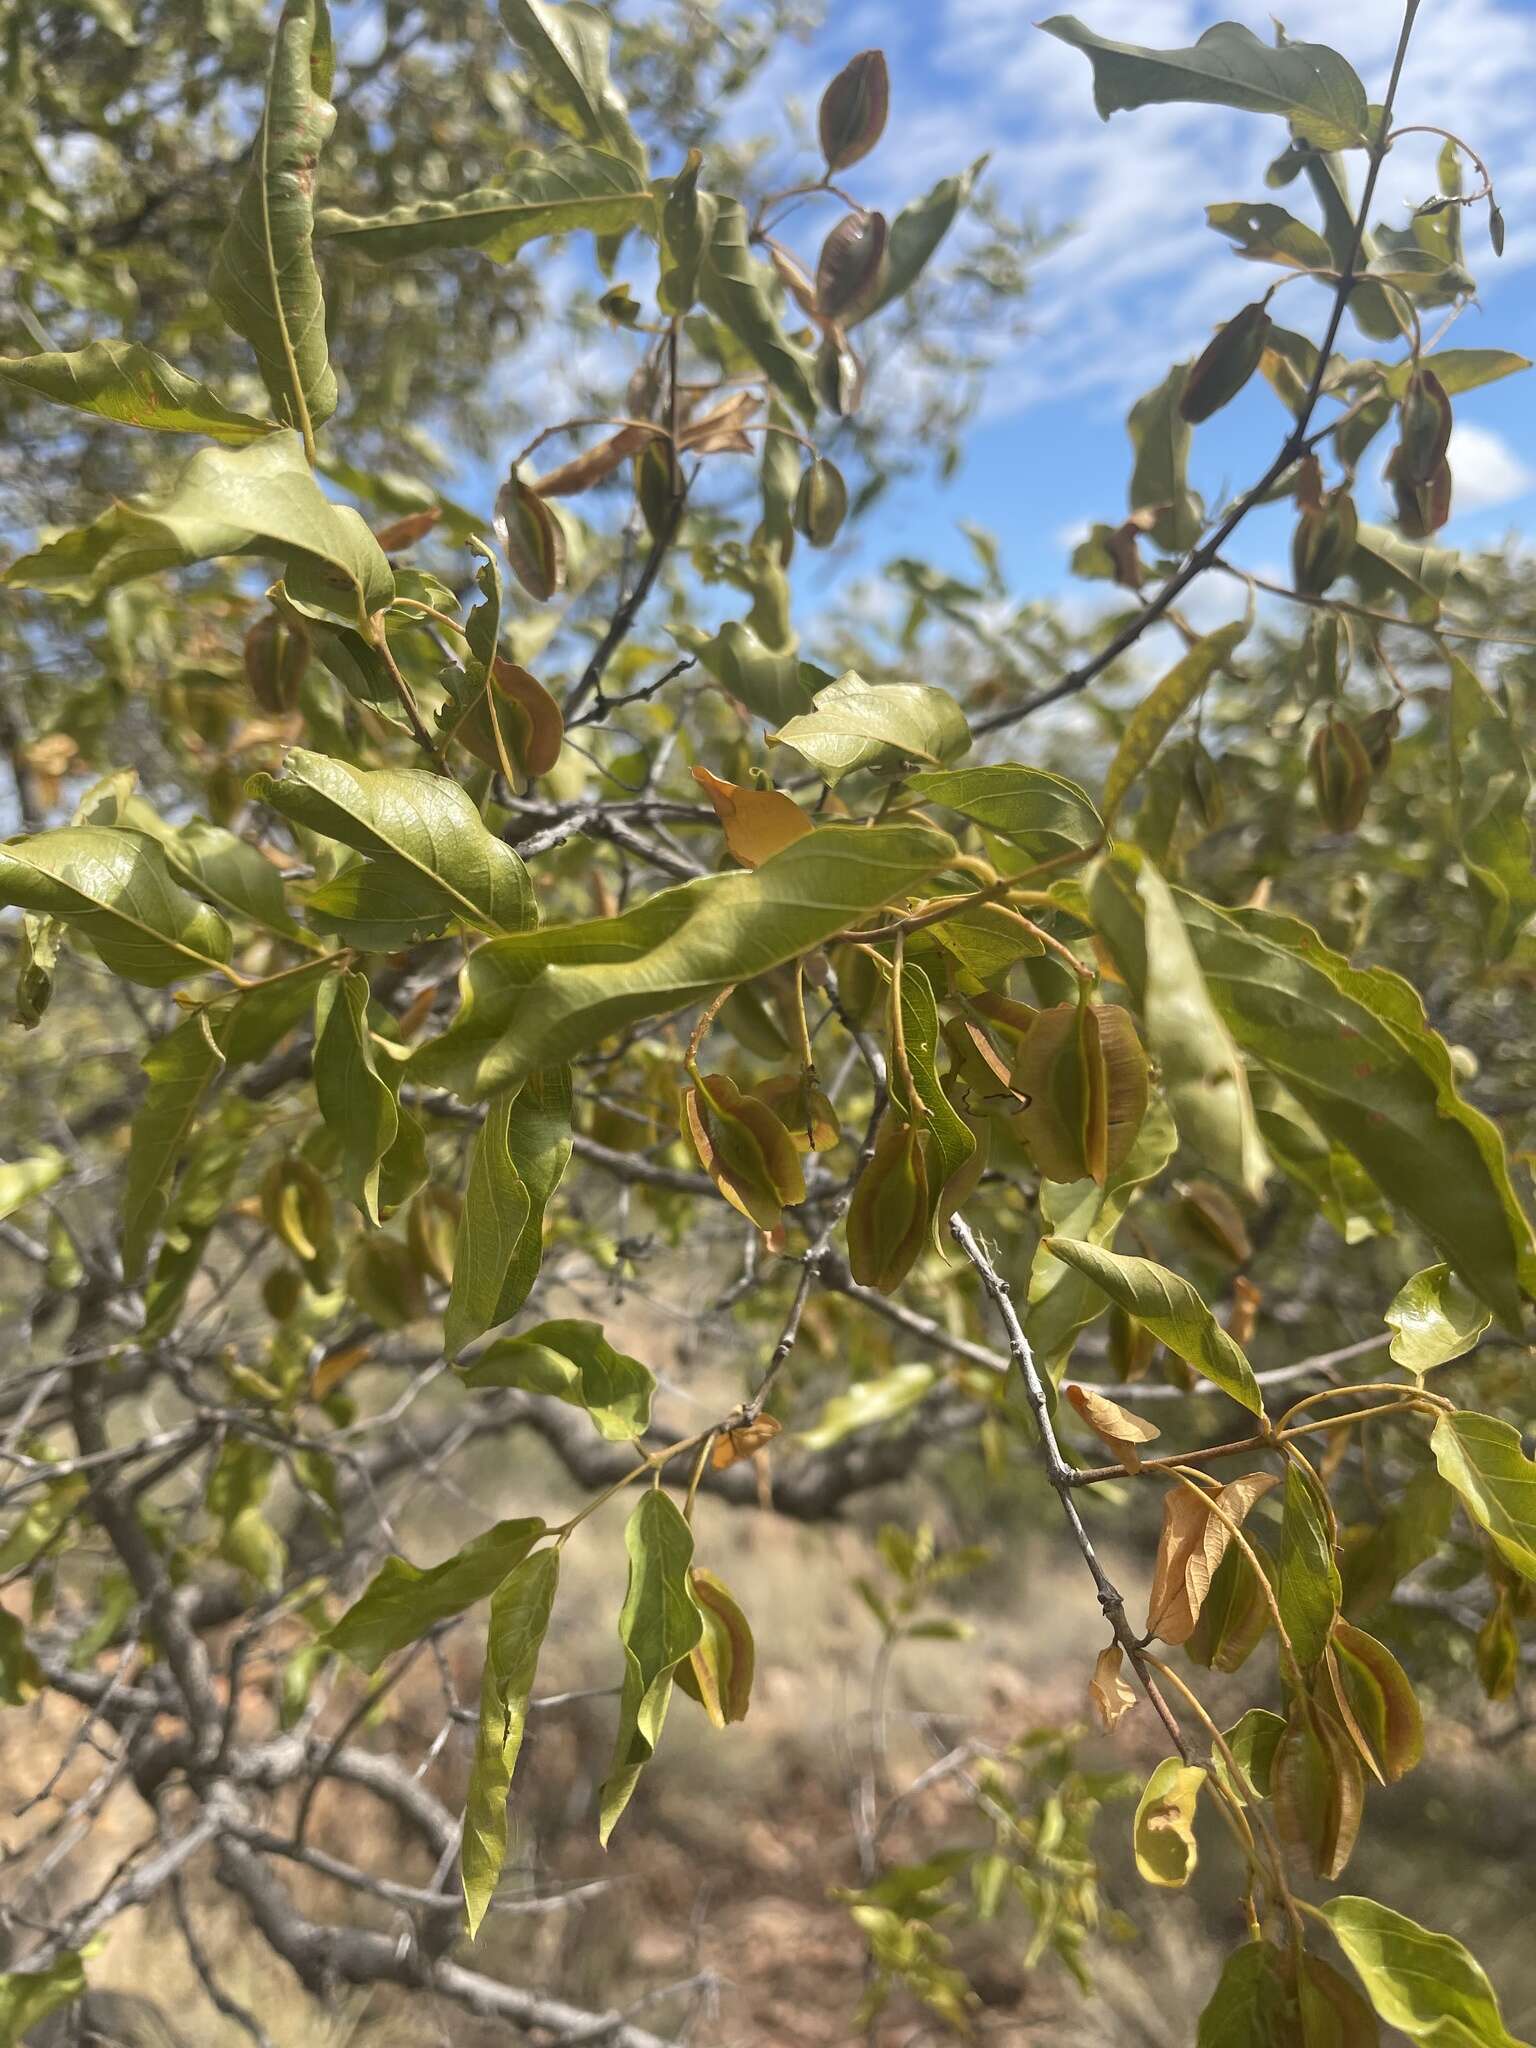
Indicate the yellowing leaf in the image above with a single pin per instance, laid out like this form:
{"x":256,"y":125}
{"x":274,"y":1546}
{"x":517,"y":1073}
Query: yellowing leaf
{"x":1163,"y":1833}
{"x":757,"y":822}
{"x":1117,"y":1426}
{"x":1483,"y":1458}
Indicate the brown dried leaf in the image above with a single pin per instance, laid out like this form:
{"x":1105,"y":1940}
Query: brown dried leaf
{"x":1112,"y":1699}
{"x":1116,"y":1426}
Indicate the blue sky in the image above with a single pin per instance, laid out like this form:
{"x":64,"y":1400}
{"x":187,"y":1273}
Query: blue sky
{"x":1141,"y":280}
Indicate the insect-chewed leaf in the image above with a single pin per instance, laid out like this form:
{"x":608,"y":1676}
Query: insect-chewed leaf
{"x":519,"y":1618}
{"x":1318,"y":1790}
{"x":1483,"y":1458}
{"x":402,"y":1601}
{"x":884,"y":727}
{"x":429,"y":861}
{"x":124,"y":381}
{"x":1114,"y":1425}
{"x":718,"y":1672}
{"x":852,"y":115}
{"x":1424,"y":1984}
{"x":757,"y":822}
{"x":1171,"y":1310}
{"x":1434,"y":1317}
{"x":659,"y":1626}
{"x":537,"y":999}
{"x":573,"y":1361}
{"x":1163,"y":1833}
{"x":264,"y":276}
{"x":1111,"y":1698}
{"x":1308,"y":84}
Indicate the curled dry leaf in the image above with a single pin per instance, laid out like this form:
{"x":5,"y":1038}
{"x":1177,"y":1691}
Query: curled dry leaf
{"x":404,"y":533}
{"x":744,"y":1441}
{"x":1193,"y":1542}
{"x":757,"y":822}
{"x":1111,"y":1698}
{"x":1116,"y":1426}
{"x":594,"y":464}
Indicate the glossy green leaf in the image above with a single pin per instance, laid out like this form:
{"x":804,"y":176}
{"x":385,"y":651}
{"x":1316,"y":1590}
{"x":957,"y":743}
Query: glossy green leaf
{"x":659,"y":1626}
{"x":567,"y":50}
{"x":1160,"y":435}
{"x":538,"y":999}
{"x":1482,"y":1457}
{"x":115,"y":890}
{"x":916,"y":233}
{"x":885,"y":727}
{"x":1434,"y":1318}
{"x":124,"y":381}
{"x":429,"y":861}
{"x":1163,"y":1832}
{"x":264,"y":277}
{"x":260,"y":500}
{"x":1201,"y":1068}
{"x":1308,"y":1588}
{"x":1157,"y":713}
{"x":869,"y":1403}
{"x":356,"y":1101}
{"x":770,"y":681}
{"x":1252,"y":1740}
{"x":573,"y":1361}
{"x":1426,"y":1985}
{"x":1306,"y":84}
{"x":497,"y":1206}
{"x":949,"y":1140}
{"x":1295,"y":1006}
{"x":539,"y":1145}
{"x":738,"y":290}
{"x":1490,"y":789}
{"x":1032,"y":812}
{"x":571,"y":188}
{"x":520,"y":1609}
{"x":180,"y":1068}
{"x":28,"y":1996}
{"x":402,"y":1602}
{"x":1171,"y":1310}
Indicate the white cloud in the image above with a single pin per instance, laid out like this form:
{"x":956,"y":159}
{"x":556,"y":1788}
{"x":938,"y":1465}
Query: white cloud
{"x":1486,"y":470}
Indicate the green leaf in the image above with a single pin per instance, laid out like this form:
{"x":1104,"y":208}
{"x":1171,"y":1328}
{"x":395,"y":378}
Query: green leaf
{"x":1490,"y":788}
{"x":1309,"y":1587}
{"x":567,"y":48}
{"x":115,"y":889}
{"x":356,"y":1101}
{"x":659,"y":1626}
{"x":1458,"y":369}
{"x":1201,"y":1068}
{"x":949,"y":1141}
{"x":573,"y":187}
{"x":180,"y":1067}
{"x":885,"y":727}
{"x":1426,"y":1985}
{"x":21,"y":1179}
{"x":496,"y":1209}
{"x":21,"y":1676}
{"x":539,"y":1145}
{"x":402,"y":1602}
{"x":27,"y":1996}
{"x":1062,"y":1299}
{"x":1157,"y":714}
{"x":1250,"y":2007}
{"x":1306,"y":84}
{"x":770,"y":681}
{"x":1160,"y":436}
{"x":1163,"y":1832}
{"x":1035,"y":813}
{"x":1171,"y":1310}
{"x":1352,"y":1045}
{"x":869,"y":1403}
{"x":1434,"y":1318}
{"x":738,"y":290}
{"x":123,"y":381}
{"x":1268,"y":234}
{"x":573,"y":1361}
{"x":1334,"y":1179}
{"x":538,"y":999}
{"x":520,"y":1611}
{"x":430,"y":862}
{"x":916,"y":233}
{"x":264,"y":277}
{"x":1483,"y":1458}
{"x":260,"y":500}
